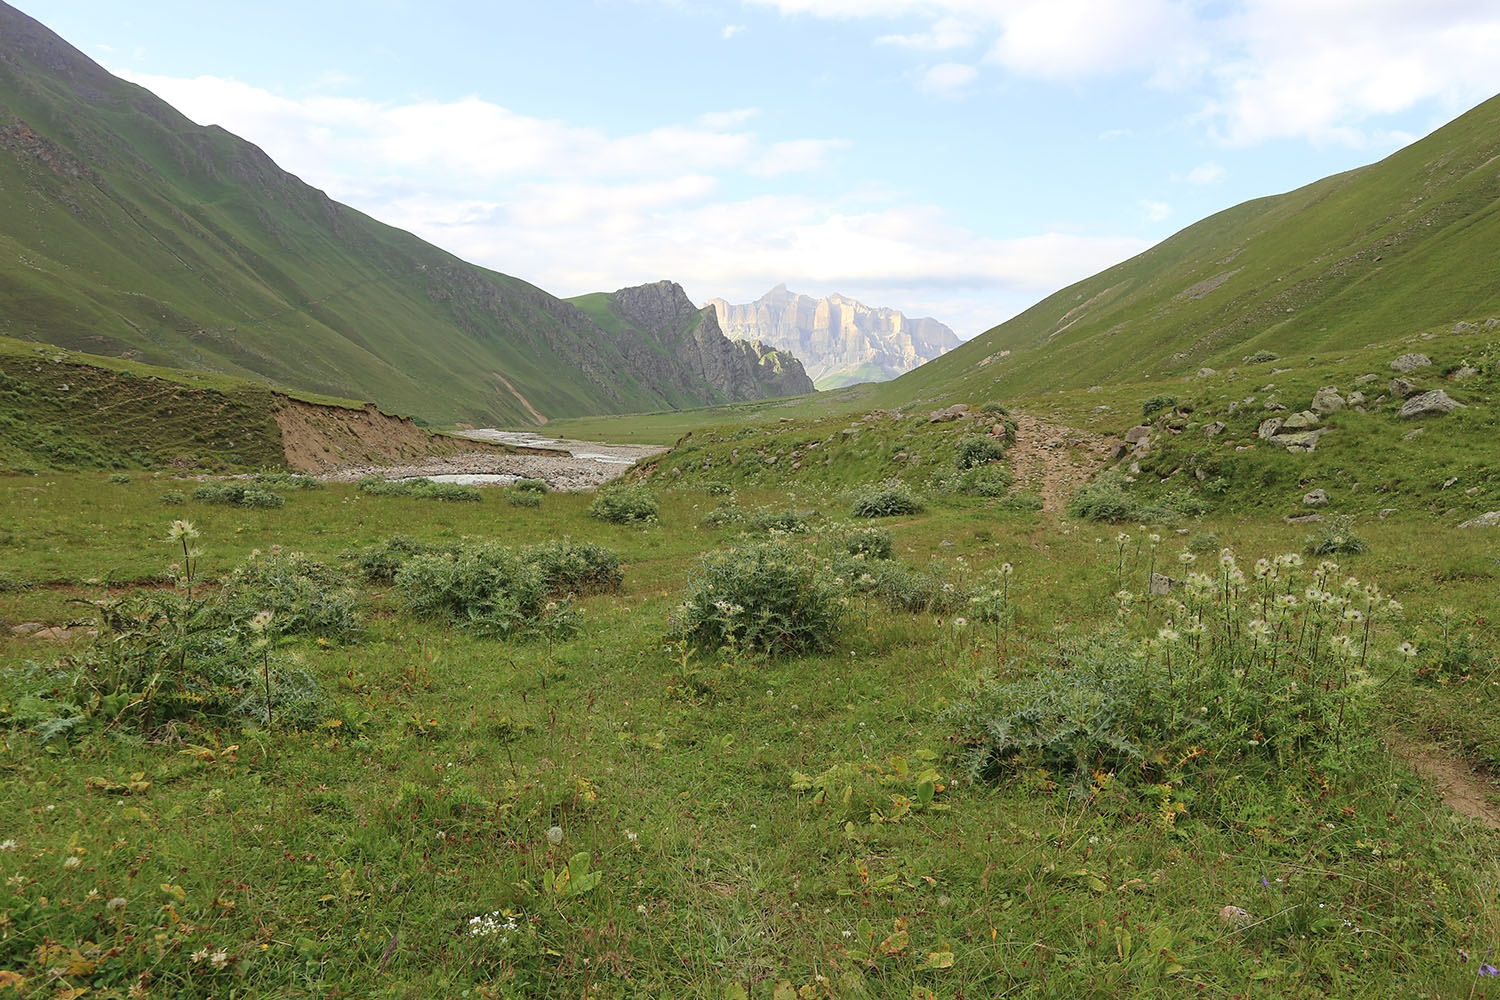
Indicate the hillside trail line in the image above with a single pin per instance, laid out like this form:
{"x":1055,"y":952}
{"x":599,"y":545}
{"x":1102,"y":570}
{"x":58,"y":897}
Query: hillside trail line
{"x":1462,"y":788}
{"x":1054,"y":460}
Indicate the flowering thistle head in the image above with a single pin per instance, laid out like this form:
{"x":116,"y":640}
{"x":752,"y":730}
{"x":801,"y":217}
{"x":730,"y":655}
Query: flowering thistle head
{"x":181,"y":529}
{"x":1122,"y":539}
{"x":1167,"y":634}
{"x":1006,"y":569}
{"x":259,"y":623}
{"x":1186,"y":558}
{"x":1407,"y":649}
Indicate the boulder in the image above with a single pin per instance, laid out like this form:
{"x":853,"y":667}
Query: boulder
{"x":1137,"y":434}
{"x":1489,"y":520}
{"x":1435,"y":401}
{"x":1161,"y":584}
{"x":1269,"y":427}
{"x":1465,"y":373}
{"x":1301,"y":421}
{"x":1464,"y":326}
{"x":1206,"y":372}
{"x":1317,"y":498}
{"x":1401,"y":388}
{"x":1303,"y":518}
{"x":1369,"y":377}
{"x":1273,"y":405}
{"x":1356,"y":399}
{"x":1327,"y":400}
{"x":1410,"y":363}
{"x":1492,"y":323}
{"x":1215,"y":428}
{"x":1299,"y":442}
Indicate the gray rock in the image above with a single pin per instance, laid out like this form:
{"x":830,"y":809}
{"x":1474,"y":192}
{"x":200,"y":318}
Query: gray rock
{"x":1492,"y":323}
{"x":1268,"y":428}
{"x":1206,"y":372}
{"x":1215,"y":428}
{"x":1410,"y":363}
{"x":1465,"y":373}
{"x":1303,"y":518}
{"x":1301,"y":421}
{"x":1411,"y":434}
{"x":1489,"y":520}
{"x":1435,"y":401}
{"x":1317,"y":498}
{"x":1300,"y":442}
{"x":1386,"y":512}
{"x":1273,"y":405}
{"x":1356,"y":399}
{"x":1137,"y":434}
{"x":1366,"y":378}
{"x":1401,"y":388}
{"x":1162,"y":584}
{"x":1464,"y":326}
{"x":1327,"y":400}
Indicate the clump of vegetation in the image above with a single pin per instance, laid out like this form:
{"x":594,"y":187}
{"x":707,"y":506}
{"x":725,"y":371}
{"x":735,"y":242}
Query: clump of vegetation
{"x":379,"y":563}
{"x":624,"y":505}
{"x":422,"y":489}
{"x":304,"y":596}
{"x":1105,"y":498}
{"x":791,"y":522}
{"x":718,"y":488}
{"x":530,"y":486}
{"x":238,"y":495}
{"x":1021,"y":501}
{"x":522,"y":498}
{"x":724,"y":515}
{"x":765,"y":598}
{"x":286,"y":481}
{"x":1335,"y":538}
{"x":500,"y":591}
{"x":992,"y":480}
{"x":1260,"y":671}
{"x":869,"y":543}
{"x":891,"y":499}
{"x":1260,"y":357}
{"x":1155,"y":404}
{"x":172,"y":498}
{"x":118,"y":478}
{"x":996,"y":408}
{"x":978,"y":449}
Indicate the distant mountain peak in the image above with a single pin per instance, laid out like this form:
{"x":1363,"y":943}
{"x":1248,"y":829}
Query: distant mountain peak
{"x":839,"y":339}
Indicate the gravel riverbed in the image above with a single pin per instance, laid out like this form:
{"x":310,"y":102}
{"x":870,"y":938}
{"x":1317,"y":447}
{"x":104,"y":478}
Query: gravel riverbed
{"x":573,"y":465}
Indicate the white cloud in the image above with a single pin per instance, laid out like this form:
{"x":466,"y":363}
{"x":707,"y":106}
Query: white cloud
{"x":730,"y":30}
{"x":1322,"y":70}
{"x":948,"y":79}
{"x":576,"y":209}
{"x":1206,"y":173}
{"x":1156,"y":211}
{"x":946,"y":33}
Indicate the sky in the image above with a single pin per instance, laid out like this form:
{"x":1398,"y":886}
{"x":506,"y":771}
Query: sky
{"x":954,"y":158}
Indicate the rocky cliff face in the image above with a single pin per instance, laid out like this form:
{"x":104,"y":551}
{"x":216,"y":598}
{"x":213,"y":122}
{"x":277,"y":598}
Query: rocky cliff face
{"x":694,"y":348}
{"x":838,"y":339}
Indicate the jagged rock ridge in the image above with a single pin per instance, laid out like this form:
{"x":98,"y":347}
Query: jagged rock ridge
{"x":839,"y":340}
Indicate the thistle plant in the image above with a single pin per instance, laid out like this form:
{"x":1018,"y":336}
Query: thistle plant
{"x":262,"y":642}
{"x":184,"y":532}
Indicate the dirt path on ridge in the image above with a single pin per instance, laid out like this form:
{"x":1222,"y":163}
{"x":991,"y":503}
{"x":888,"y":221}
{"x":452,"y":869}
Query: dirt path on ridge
{"x":535,"y":413}
{"x":1053,"y":460}
{"x":1463,"y":789}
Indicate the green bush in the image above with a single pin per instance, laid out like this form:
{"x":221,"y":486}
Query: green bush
{"x":485,"y":587}
{"x":715,"y":488}
{"x":1155,"y":404}
{"x":888,"y":500}
{"x":785,"y":521}
{"x":522,"y":498}
{"x":172,"y":498}
{"x":624,"y":505}
{"x":1107,"y":499}
{"x":978,"y":449}
{"x":286,"y":480}
{"x":901,"y":589}
{"x":379,"y":563}
{"x":377,"y":487}
{"x":422,"y":489}
{"x":530,"y":486}
{"x":579,"y":568}
{"x":237,"y":495}
{"x":1335,"y":538}
{"x":978,"y":481}
{"x":871,"y":543}
{"x":1259,"y":357}
{"x":726,"y":515}
{"x":118,"y":479}
{"x":1021,"y":500}
{"x":996,"y":408}
{"x":304,"y":596}
{"x":766,"y":598}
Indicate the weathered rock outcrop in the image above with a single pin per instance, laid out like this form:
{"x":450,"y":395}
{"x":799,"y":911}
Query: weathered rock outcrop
{"x":695,"y":349}
{"x":838,"y":339}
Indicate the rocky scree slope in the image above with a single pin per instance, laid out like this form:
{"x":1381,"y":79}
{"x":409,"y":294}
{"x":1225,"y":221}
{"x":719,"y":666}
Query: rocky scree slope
{"x":128,"y":230}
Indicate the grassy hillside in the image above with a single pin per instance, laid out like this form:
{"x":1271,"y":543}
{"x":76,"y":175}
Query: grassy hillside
{"x":130,"y":231}
{"x":1403,"y":245}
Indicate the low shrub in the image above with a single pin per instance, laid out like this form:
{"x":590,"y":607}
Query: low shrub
{"x":1021,"y":501}
{"x":422,"y":489}
{"x":522,"y":498}
{"x":379,"y":563}
{"x":118,"y":479}
{"x":871,"y":543}
{"x":579,"y":568}
{"x":891,"y":499}
{"x":715,"y":488}
{"x":624,"y":505}
{"x":486,"y":587}
{"x":237,"y":495}
{"x":172,"y":498}
{"x":723,"y":516}
{"x":766,"y":598}
{"x":792,"y":522}
{"x":530,"y":486}
{"x":978,"y":449}
{"x":994,"y":407}
{"x":286,"y":480}
{"x":1335,"y":538}
{"x":1260,"y":357}
{"x":1155,"y":404}
{"x":977,"y":481}
{"x":304,"y":596}
{"x":1106,"y":498}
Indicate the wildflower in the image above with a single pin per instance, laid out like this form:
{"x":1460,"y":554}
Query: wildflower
{"x":199,"y":955}
{"x":641,"y":908}
{"x":1122,"y":538}
{"x":960,"y":622}
{"x":1154,"y":539}
{"x":1353,"y":615}
{"x":71,"y":863}
{"x":1124,"y":596}
{"x":632,"y":836}
{"x":116,"y":904}
{"x":1395,"y":607}
{"x":261,"y":620}
{"x":9,"y":845}
{"x":1167,"y":634}
{"x":1407,"y":649}
{"x":1263,"y":569}
{"x":1258,"y":628}
{"x":1488,"y":970}
{"x":1342,"y":644}
{"x":1186,"y":558}
{"x":181,"y":529}
{"x":1226,"y":559}
{"x":554,"y":835}
{"x":1006,"y":569}
{"x":219,"y":959}
{"x":1285,"y":602}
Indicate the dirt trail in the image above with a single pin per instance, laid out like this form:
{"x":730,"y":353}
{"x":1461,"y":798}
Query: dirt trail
{"x":535,"y":413}
{"x":1463,"y":789}
{"x":1053,"y":460}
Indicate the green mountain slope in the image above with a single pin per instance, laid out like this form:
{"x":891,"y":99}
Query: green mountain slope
{"x":126,"y":229}
{"x":1404,"y":244}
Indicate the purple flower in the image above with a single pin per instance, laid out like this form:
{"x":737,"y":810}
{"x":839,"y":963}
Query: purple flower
{"x":1488,"y":970}
{"x":1264,"y":882}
